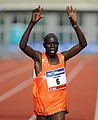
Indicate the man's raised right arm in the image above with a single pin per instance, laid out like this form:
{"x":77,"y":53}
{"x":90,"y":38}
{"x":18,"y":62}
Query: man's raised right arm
{"x":36,"y":16}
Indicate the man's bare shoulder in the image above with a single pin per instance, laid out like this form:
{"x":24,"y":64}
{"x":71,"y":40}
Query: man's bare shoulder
{"x":66,"y":55}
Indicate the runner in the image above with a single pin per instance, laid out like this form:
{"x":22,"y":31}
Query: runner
{"x":49,"y":87}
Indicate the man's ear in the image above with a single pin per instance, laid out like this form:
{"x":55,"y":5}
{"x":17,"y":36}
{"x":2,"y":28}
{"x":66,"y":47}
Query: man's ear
{"x":44,"y":45}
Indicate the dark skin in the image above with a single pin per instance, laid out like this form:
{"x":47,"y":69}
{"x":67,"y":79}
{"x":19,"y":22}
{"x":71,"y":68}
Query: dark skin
{"x":51,"y":46}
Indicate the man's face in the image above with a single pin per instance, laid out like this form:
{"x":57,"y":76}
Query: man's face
{"x":51,"y":46}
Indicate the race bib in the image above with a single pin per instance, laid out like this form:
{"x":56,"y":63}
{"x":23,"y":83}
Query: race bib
{"x":56,"y":79}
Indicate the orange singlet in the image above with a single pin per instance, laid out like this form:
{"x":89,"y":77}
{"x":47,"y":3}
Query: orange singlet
{"x":49,"y":88}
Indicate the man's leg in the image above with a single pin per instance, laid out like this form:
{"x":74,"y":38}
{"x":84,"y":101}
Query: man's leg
{"x":59,"y":116}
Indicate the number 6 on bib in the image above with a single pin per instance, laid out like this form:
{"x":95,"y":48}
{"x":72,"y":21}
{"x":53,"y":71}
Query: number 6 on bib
{"x":56,"y":79}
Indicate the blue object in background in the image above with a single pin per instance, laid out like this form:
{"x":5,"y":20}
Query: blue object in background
{"x":92,"y":48}
{"x":16,"y":32}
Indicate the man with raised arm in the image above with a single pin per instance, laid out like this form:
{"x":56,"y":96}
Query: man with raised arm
{"x":49,"y":85}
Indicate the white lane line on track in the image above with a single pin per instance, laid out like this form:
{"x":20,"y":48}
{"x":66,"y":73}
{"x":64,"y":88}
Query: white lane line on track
{"x":16,"y":89}
{"x":78,"y":68}
{"x":96,"y":109}
{"x":14,"y":72}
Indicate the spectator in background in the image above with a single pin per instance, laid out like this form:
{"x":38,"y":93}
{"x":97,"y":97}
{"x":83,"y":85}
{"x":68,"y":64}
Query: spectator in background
{"x":49,"y":85}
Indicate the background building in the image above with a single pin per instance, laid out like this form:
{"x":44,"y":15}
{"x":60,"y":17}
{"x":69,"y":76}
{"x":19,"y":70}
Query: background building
{"x":15,"y":16}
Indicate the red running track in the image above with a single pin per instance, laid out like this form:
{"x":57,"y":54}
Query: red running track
{"x":16,"y":88}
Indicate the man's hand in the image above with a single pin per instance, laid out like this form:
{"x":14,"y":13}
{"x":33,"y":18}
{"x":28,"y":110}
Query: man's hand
{"x":72,"y":15}
{"x":36,"y":14}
